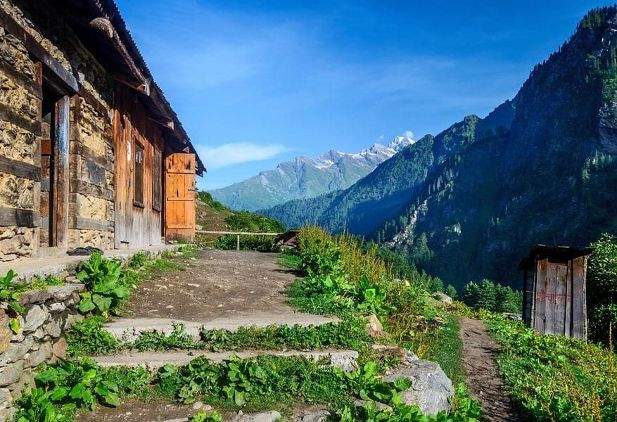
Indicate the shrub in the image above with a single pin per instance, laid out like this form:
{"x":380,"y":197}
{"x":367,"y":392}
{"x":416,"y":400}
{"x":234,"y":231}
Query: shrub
{"x":555,"y":377}
{"x":88,"y":337}
{"x":319,"y":254}
{"x":492,"y":297}
{"x":66,"y":387}
{"x":602,"y":289}
{"x":106,"y":290}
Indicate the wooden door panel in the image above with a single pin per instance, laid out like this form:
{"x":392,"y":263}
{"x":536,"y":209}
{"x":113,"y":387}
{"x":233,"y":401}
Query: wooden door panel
{"x":180,"y":196}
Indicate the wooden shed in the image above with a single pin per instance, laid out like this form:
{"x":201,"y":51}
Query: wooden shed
{"x":554,"y":300}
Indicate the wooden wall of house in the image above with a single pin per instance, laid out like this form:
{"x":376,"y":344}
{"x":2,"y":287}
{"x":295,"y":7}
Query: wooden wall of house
{"x":138,"y":221}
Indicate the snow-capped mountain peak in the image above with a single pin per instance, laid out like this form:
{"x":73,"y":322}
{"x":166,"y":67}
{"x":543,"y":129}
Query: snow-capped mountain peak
{"x":304,"y":177}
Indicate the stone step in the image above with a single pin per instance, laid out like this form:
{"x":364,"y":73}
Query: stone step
{"x":129,"y":329}
{"x":271,"y":416}
{"x":343,"y":359}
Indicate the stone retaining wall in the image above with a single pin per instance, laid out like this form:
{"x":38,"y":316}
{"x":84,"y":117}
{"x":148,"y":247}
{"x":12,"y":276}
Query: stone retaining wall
{"x":49,"y":314}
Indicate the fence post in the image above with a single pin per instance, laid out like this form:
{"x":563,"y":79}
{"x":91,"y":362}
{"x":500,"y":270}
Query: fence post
{"x":238,"y":242}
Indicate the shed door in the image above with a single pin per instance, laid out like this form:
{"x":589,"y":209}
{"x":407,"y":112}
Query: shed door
{"x":180,"y":197}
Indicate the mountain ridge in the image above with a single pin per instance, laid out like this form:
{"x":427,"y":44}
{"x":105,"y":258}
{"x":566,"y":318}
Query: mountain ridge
{"x":305,"y":177}
{"x":540,"y":168}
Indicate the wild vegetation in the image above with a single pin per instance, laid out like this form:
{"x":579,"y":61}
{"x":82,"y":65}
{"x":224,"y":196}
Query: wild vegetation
{"x":493,"y":297}
{"x":602,"y":291}
{"x":11,"y":292}
{"x":555,"y":377}
{"x":214,"y":216}
{"x":345,"y":277}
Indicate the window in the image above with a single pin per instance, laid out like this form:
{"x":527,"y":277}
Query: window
{"x":138,"y":198}
{"x":157,"y":180}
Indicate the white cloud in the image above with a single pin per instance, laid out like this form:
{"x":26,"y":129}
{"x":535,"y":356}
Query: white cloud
{"x":238,"y":152}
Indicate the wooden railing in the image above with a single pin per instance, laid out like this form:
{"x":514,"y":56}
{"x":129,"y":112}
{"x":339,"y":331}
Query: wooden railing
{"x":237,"y":234}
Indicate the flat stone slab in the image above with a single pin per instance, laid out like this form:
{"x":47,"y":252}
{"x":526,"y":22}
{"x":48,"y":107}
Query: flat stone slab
{"x":129,"y":329}
{"x":27,"y":268}
{"x":344,"y":359}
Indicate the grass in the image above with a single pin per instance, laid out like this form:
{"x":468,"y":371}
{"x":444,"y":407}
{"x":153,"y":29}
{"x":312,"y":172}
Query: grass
{"x":444,"y":346}
{"x":89,"y":338}
{"x":555,"y":377}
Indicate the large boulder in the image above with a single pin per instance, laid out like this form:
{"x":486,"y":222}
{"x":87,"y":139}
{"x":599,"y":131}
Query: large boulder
{"x":431,"y":389}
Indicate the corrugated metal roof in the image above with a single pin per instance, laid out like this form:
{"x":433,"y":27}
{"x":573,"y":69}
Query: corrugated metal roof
{"x":113,"y":12}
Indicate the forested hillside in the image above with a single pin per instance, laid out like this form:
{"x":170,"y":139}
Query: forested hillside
{"x":541,"y":168}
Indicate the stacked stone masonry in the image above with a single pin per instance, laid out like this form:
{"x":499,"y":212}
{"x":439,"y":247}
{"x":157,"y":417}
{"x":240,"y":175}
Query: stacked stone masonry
{"x":91,"y":199}
{"x":49,"y":314}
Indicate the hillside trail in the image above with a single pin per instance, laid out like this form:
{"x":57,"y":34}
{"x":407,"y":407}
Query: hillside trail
{"x":482,"y":373}
{"x":216,"y":290}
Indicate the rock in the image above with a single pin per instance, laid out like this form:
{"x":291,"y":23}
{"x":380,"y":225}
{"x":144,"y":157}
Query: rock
{"x":10,"y":374}
{"x":198,"y":405}
{"x":54,"y":327}
{"x":5,"y":397}
{"x":35,"y":318}
{"x":7,"y":414}
{"x":40,"y":334}
{"x":444,"y":298}
{"x":65,"y":291}
{"x":59,"y":348}
{"x":34,"y":297}
{"x":5,"y":332}
{"x":57,"y":307}
{"x":271,"y":416}
{"x":16,"y":351}
{"x":39,"y":356}
{"x":374,"y":327}
{"x":346,"y":360}
{"x":431,"y":389}
{"x":316,"y":416}
{"x":72,"y":319}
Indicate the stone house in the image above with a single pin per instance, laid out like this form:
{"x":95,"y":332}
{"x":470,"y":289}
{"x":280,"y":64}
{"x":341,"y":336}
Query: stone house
{"x":91,"y":152}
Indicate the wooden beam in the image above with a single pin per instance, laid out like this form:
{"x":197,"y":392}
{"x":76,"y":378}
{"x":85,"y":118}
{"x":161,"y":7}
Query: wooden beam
{"x":18,"y":217}
{"x":81,"y":223}
{"x":61,"y":172}
{"x":38,"y":51}
{"x":7,"y":114}
{"x":169,"y":124}
{"x":85,"y":188}
{"x":20,"y":169}
{"x":142,"y":87}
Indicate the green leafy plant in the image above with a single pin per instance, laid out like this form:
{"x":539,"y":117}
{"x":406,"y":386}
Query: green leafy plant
{"x":64,"y":388}
{"x":102,"y":278}
{"x":555,"y":377}
{"x":87,"y":337}
{"x":206,"y":416}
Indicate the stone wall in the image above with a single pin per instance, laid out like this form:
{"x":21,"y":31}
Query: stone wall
{"x":91,"y":168}
{"x":49,"y":314}
{"x":19,"y":106}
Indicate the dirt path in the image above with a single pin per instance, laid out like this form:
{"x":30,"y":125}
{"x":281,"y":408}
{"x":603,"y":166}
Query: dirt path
{"x":216,"y":284}
{"x":482,"y":372}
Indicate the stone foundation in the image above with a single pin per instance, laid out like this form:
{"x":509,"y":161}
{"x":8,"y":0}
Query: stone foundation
{"x":16,"y":242}
{"x":50,"y":313}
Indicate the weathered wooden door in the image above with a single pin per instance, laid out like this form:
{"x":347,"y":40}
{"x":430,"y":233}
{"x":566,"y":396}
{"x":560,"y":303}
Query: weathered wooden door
{"x":180,"y":197}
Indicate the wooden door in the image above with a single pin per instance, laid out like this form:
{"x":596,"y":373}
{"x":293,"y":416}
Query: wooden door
{"x":180,"y":197}
{"x":123,"y":216}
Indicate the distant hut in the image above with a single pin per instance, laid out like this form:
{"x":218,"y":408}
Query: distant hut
{"x":554,"y":299}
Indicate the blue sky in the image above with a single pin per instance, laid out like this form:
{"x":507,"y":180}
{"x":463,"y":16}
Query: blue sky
{"x":256,"y":82}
